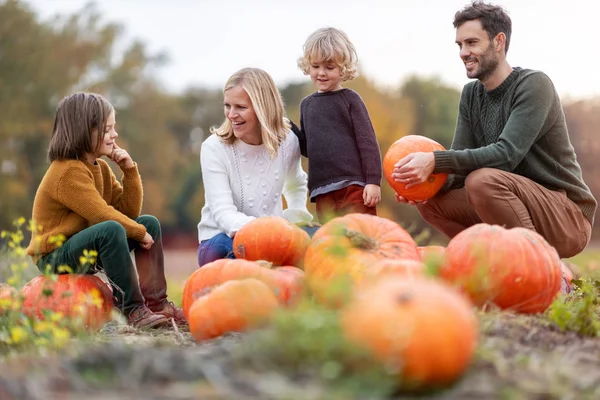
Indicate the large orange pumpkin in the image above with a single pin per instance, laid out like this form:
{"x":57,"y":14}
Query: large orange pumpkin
{"x":512,"y":268}
{"x":431,"y":252}
{"x":287,"y":286}
{"x":403,"y":147}
{"x":346,"y":247}
{"x":273,"y":239}
{"x":421,"y":328}
{"x":73,"y":295}
{"x":234,"y":306}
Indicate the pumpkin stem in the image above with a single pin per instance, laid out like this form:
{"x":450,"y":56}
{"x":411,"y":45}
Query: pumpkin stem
{"x":361,"y":241}
{"x":404,"y":298}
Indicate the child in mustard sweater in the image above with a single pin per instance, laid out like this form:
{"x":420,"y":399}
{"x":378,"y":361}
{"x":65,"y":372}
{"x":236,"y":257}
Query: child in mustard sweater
{"x":81,"y":199}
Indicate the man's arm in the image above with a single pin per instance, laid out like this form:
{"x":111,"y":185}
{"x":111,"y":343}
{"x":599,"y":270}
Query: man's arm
{"x":530,"y":118}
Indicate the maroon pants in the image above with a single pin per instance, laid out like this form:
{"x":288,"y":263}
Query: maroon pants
{"x":502,"y":198}
{"x":341,"y":202}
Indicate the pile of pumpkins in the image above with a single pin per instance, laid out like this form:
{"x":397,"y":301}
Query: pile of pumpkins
{"x":371,"y":270}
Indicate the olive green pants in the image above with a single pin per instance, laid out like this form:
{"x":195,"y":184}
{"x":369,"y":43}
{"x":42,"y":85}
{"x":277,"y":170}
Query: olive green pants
{"x":148,"y":286}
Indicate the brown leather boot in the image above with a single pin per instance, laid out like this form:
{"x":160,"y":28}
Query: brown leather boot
{"x":142,"y":317}
{"x":170,"y":310}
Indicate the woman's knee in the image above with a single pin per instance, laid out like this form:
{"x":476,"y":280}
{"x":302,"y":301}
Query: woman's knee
{"x":221,"y":246}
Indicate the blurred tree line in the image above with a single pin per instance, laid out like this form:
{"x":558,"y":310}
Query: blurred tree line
{"x":42,"y":61}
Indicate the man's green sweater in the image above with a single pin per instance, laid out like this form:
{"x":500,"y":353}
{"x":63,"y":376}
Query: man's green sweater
{"x":517,"y":127}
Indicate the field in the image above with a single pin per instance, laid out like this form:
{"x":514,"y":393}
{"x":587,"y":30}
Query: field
{"x":519,"y":357}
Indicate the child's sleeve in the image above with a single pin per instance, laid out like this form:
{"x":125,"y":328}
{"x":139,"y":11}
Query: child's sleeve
{"x":127,"y":198}
{"x":295,"y":188}
{"x":366,"y":140}
{"x":89,"y":204}
{"x":217,"y":191}
{"x":301,"y":137}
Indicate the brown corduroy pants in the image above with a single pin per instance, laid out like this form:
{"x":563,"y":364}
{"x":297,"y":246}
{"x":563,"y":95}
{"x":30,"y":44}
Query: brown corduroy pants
{"x":341,"y":202}
{"x":501,"y":198}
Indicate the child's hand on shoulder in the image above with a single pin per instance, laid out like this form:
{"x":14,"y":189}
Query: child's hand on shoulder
{"x":371,"y":195}
{"x":121,"y":157}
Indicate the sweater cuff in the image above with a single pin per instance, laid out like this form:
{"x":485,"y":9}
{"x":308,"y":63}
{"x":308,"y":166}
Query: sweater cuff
{"x":131,"y":172}
{"x":139,"y":232}
{"x":443,"y":162}
{"x":373,"y":180}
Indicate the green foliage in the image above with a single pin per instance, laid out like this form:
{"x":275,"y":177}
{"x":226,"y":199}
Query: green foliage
{"x":308,"y":342}
{"x":578,"y":312}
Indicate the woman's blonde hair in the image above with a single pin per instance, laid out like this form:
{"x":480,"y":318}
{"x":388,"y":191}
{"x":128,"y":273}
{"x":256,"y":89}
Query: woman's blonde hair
{"x":330,"y":45}
{"x":267,"y":104}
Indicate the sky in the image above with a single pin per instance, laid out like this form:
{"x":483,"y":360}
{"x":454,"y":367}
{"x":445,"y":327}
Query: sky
{"x":208,"y":40}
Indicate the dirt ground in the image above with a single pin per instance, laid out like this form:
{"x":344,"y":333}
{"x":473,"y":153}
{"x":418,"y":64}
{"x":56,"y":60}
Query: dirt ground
{"x":519,"y":358}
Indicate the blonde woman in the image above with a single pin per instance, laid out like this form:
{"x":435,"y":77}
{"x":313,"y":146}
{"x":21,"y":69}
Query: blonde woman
{"x":248,"y":163}
{"x":336,"y":133}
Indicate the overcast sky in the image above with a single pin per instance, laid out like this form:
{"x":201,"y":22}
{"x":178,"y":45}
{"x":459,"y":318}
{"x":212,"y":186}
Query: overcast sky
{"x":208,"y":40}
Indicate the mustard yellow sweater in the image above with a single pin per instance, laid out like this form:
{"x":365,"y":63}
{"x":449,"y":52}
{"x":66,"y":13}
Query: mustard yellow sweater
{"x":75,"y":195}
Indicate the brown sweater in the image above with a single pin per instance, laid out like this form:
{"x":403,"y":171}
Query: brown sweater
{"x":75,"y":195}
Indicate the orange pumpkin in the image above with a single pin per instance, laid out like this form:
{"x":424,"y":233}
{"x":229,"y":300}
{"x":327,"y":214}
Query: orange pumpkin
{"x":345,"y":248}
{"x":73,"y":295}
{"x":234,"y":306}
{"x":272,"y":239}
{"x":403,"y":147}
{"x":8,"y":294}
{"x":287,"y":286}
{"x":397,"y":267}
{"x":512,"y":268}
{"x":422,"y":329}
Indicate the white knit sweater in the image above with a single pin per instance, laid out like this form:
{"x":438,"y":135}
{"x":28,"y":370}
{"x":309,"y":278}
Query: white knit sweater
{"x":242,"y":182}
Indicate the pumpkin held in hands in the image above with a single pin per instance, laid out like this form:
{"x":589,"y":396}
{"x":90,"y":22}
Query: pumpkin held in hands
{"x":403,"y":147}
{"x":234,"y":306}
{"x":73,"y":295}
{"x":272,"y":239}
{"x":512,"y":268}
{"x":422,"y":329}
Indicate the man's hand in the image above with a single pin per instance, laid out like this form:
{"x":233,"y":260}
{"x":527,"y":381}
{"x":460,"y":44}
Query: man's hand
{"x":401,"y":199}
{"x":147,"y":242}
{"x":371,"y":195}
{"x":121,"y":157}
{"x":413,"y":169}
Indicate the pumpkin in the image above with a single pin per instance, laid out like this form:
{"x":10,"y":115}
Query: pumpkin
{"x":403,"y":147}
{"x":73,"y":295}
{"x":286,"y":286}
{"x":431,"y":252}
{"x":512,"y":268}
{"x":234,"y":306}
{"x":345,"y":248}
{"x":272,"y":239}
{"x":397,"y":267}
{"x":8,"y":295}
{"x":421,"y":329}
{"x":567,"y":271}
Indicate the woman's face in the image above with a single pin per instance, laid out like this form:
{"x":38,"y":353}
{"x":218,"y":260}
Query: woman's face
{"x":238,"y":109}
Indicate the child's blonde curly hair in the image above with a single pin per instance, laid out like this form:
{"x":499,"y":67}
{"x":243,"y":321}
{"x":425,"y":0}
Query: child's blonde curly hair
{"x":330,"y":45}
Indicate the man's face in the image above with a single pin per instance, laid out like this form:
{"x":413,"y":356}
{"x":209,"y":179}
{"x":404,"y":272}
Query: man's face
{"x":476,"y":50}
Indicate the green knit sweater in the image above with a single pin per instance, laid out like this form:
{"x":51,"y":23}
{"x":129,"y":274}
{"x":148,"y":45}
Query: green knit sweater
{"x":517,"y":127}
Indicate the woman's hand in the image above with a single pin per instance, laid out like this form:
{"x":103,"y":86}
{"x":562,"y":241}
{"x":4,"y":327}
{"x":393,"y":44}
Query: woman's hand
{"x":147,"y":242}
{"x":121,"y":157}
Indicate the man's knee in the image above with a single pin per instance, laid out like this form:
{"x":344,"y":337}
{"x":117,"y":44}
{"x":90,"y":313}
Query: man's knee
{"x":479,"y":183}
